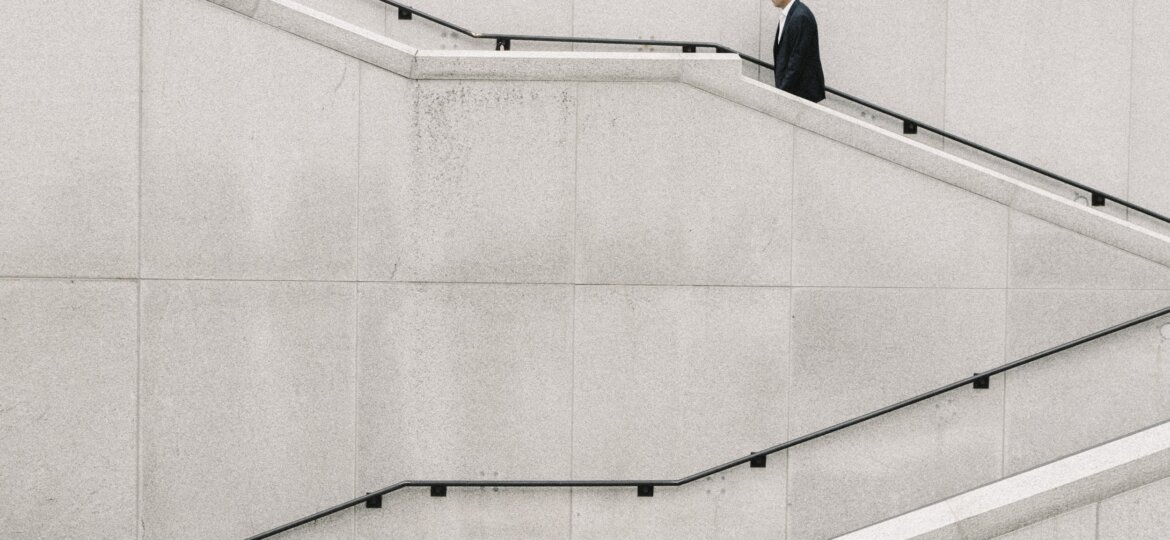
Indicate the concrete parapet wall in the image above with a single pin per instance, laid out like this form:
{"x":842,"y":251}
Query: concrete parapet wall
{"x":1095,"y":114}
{"x":359,"y":263}
{"x":1115,"y":490}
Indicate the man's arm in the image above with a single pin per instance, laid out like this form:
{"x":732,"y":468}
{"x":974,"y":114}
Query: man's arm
{"x":805,"y":32}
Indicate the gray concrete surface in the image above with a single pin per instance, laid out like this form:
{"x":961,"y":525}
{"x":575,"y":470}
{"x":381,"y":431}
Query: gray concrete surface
{"x":465,"y":381}
{"x":69,"y":164}
{"x":247,"y":406}
{"x":250,"y":150}
{"x":1122,"y":480}
{"x":1079,"y":524}
{"x":853,"y":225}
{"x":449,"y":211}
{"x":68,"y":394}
{"x":291,"y":169}
{"x":1139,"y":514}
{"x":665,"y":195}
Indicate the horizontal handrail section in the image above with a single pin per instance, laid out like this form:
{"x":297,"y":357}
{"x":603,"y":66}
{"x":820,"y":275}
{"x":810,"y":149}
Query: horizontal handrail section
{"x":756,"y":459}
{"x":910,"y":125}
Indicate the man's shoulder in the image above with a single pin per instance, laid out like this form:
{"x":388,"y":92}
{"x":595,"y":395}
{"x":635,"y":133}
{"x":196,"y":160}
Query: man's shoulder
{"x":801,"y":11}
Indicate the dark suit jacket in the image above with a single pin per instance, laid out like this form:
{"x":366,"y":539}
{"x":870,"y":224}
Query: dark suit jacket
{"x":798,"y":55}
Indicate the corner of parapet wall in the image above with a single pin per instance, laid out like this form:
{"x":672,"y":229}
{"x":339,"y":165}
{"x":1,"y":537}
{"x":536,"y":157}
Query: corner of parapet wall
{"x":329,"y":32}
{"x":717,"y":74}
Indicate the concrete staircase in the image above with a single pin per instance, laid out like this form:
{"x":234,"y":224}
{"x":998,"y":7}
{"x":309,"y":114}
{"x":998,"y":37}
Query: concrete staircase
{"x":350,"y":263}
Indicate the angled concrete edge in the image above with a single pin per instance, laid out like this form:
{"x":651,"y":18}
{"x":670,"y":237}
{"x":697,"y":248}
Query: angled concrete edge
{"x":720,"y":75}
{"x":1031,"y":496}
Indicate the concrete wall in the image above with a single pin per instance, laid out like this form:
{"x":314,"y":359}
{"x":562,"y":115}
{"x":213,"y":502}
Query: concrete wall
{"x":1095,"y":114}
{"x":1138,"y":514}
{"x":346,"y":278}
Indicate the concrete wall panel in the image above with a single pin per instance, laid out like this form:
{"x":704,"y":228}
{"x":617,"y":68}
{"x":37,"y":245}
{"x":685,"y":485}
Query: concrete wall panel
{"x":250,"y":156}
{"x":729,"y":22}
{"x":1022,"y":78}
{"x":68,"y":397}
{"x":1079,"y":524}
{"x":739,"y":503}
{"x":1090,"y":394}
{"x":486,"y":190}
{"x":1136,"y":515}
{"x":247,"y":407}
{"x":857,"y":350}
{"x":863,"y":221}
{"x":69,"y":139}
{"x":895,"y":464}
{"x":465,"y":382}
{"x":1150,"y":110}
{"x":670,"y":381}
{"x":1050,"y":257}
{"x":888,"y":52}
{"x":680,"y":187}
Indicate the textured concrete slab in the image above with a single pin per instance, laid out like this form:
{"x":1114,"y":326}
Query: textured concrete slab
{"x":895,"y":464}
{"x":701,"y":371}
{"x":482,"y":513}
{"x":740,"y":503}
{"x":1090,"y":394}
{"x":467,"y":202}
{"x":865,"y":222}
{"x":727,"y":22}
{"x":1076,"y":124}
{"x":670,"y":381}
{"x":1037,"y":494}
{"x":857,"y":350}
{"x":465,"y":382}
{"x":1046,"y":256}
{"x":69,"y":158}
{"x":680,"y":187}
{"x":1149,"y":113}
{"x":247,"y":407}
{"x":250,"y":150}
{"x":1079,"y":524}
{"x":1138,"y":514}
{"x":886,"y":51}
{"x":68,"y":401}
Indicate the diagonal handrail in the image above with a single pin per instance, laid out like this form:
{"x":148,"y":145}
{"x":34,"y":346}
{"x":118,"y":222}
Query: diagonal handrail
{"x":646,"y":487}
{"x":910,"y":125}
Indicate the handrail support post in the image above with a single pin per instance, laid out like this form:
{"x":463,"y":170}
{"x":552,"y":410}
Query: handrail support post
{"x":645,"y":490}
{"x":689,"y":48}
{"x":982,"y":383}
{"x":438,"y":491}
{"x":909,"y":128}
{"x":759,"y":462}
{"x":405,"y":14}
{"x":374,"y":502}
{"x":1098,"y":199}
{"x":503,"y":44}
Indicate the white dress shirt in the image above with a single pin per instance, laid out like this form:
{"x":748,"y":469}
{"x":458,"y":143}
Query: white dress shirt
{"x":783,"y":17}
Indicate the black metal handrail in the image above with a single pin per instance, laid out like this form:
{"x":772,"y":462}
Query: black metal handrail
{"x":756,"y":459}
{"x":910,"y":125}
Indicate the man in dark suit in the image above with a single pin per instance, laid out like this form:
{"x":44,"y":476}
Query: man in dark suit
{"x":797,"y":53}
